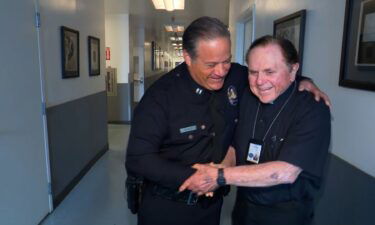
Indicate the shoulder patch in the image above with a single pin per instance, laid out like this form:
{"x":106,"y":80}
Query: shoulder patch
{"x":232,"y":95}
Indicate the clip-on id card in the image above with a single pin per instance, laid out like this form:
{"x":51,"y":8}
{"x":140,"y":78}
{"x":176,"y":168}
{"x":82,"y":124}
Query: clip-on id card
{"x":254,"y":151}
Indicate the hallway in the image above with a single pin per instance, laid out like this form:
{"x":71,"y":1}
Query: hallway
{"x":98,"y":199}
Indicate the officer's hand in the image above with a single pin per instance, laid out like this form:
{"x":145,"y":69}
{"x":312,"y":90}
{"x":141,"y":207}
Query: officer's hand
{"x":308,"y":85}
{"x":202,"y":181}
{"x":217,"y":165}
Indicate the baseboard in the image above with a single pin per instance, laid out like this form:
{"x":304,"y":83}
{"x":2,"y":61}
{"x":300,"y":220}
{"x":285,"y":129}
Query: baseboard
{"x":60,"y":197}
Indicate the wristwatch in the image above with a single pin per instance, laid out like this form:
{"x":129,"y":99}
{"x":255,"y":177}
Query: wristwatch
{"x":220,"y":177}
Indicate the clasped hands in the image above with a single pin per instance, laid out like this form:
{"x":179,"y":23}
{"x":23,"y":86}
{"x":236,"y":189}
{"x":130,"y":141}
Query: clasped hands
{"x":203,"y":181}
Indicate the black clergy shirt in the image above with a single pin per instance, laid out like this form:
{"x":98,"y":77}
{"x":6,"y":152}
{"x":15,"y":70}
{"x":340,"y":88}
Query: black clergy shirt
{"x":173,"y":126}
{"x":300,"y":135}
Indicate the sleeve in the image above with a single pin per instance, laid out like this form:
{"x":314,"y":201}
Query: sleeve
{"x":148,"y":130}
{"x":239,"y":139}
{"x":307,"y":142}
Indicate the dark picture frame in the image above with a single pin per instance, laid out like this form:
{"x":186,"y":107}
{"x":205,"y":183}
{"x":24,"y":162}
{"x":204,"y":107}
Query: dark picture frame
{"x":292,"y":27}
{"x":153,"y":55}
{"x":94,"y":55}
{"x":357,"y":69}
{"x":69,"y":52}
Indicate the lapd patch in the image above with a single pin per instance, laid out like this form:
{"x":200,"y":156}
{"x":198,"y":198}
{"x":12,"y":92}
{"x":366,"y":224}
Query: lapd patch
{"x":232,"y":95}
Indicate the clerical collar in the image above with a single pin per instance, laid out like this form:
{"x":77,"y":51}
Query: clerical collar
{"x":281,"y":98}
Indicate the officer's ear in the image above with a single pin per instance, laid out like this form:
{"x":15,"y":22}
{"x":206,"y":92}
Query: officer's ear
{"x":187,"y":57}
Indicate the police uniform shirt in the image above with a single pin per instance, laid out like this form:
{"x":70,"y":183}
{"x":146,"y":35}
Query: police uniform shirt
{"x":172,"y":128}
{"x":300,"y":135}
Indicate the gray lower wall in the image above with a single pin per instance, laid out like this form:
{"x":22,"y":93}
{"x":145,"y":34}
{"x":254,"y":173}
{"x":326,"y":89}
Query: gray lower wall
{"x":78,"y":136}
{"x":347,"y":197}
{"x":119,"y":110}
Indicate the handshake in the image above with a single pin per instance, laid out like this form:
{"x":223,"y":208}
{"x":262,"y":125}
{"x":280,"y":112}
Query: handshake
{"x":204,"y":180}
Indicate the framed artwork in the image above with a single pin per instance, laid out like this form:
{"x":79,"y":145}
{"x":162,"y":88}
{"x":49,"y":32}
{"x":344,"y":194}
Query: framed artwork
{"x":153,"y":55}
{"x":69,"y":52}
{"x":292,"y":27}
{"x":111,"y":81}
{"x":357,"y":68}
{"x":94,"y":56}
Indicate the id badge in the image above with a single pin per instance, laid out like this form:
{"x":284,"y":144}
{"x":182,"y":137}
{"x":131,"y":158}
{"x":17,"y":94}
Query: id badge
{"x":255,"y":149}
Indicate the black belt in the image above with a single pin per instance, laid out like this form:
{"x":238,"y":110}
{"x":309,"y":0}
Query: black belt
{"x":188,"y":197}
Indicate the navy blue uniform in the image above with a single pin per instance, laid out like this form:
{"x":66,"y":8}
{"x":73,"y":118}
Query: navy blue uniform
{"x":300,"y":136}
{"x":174,"y":128}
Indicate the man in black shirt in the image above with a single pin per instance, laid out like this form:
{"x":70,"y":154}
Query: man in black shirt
{"x":186,"y":117}
{"x":281,"y":143}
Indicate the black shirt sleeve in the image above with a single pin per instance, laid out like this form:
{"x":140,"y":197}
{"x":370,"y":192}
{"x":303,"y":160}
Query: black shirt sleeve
{"x":149,"y":129}
{"x":307,"y":142}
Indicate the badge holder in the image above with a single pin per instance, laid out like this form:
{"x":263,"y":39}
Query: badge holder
{"x":254,"y":150}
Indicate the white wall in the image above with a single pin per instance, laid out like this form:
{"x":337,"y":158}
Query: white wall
{"x":116,"y":6}
{"x":86,"y":16}
{"x":117,"y":38}
{"x":353,"y":128}
{"x":23,"y":172}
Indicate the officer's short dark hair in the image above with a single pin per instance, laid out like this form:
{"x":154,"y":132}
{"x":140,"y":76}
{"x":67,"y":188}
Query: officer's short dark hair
{"x":287,"y":48}
{"x":203,"y":28}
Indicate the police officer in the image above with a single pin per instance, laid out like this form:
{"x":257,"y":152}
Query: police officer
{"x":186,"y":117}
{"x":281,"y":142}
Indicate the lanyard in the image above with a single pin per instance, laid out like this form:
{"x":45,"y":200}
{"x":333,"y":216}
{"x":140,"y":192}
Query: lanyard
{"x":277,"y":115}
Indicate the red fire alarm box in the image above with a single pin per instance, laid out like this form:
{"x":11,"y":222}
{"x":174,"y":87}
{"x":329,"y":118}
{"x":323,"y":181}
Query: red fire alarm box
{"x":107,"y":53}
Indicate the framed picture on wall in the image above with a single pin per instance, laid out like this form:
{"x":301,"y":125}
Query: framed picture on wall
{"x":153,"y":55}
{"x":357,"y":68}
{"x":94,"y":56}
{"x":292,"y":27}
{"x":69,"y":52}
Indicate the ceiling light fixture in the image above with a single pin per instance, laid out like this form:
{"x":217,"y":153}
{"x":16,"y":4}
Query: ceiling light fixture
{"x":180,"y":29}
{"x":169,"y":5}
{"x":174,"y":28}
{"x":168,"y":28}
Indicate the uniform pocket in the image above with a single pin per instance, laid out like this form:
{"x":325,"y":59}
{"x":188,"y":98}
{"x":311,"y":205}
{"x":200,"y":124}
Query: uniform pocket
{"x":189,"y":132}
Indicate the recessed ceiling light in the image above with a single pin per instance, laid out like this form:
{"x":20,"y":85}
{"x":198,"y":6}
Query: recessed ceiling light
{"x":180,"y":28}
{"x":174,"y":28}
{"x":169,"y":5}
{"x":168,"y":28}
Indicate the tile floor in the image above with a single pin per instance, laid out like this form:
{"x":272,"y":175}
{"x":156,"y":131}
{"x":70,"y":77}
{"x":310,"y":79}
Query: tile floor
{"x":98,"y":199}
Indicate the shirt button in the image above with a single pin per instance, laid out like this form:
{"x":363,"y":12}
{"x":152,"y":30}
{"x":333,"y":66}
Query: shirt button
{"x":177,"y":74}
{"x":190,"y":137}
{"x":236,"y":120}
{"x":213,"y":134}
{"x":261,"y":121}
{"x":203,"y":127}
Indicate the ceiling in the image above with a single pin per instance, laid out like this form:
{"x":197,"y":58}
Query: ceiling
{"x":145,"y":15}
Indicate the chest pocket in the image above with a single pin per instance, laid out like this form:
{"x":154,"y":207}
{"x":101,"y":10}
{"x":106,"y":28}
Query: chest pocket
{"x":273,"y":146}
{"x":190,"y":132}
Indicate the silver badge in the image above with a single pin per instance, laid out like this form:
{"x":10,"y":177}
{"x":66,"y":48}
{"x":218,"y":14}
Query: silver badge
{"x":232,"y":95}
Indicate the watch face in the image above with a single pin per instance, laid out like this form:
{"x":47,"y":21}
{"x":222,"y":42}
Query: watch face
{"x":220,"y":178}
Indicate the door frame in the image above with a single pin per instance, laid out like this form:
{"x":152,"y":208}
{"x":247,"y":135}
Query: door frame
{"x":247,"y":15}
